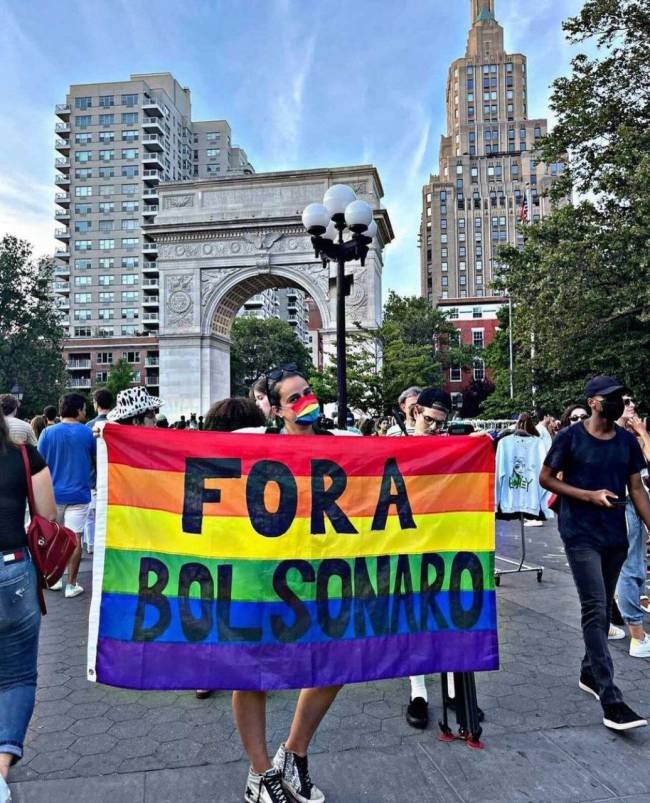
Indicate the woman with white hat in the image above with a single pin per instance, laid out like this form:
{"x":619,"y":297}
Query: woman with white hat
{"x":135,"y":407}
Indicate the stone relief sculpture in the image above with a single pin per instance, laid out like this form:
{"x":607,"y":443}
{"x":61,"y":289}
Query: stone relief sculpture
{"x":178,"y":201}
{"x":180,"y":303}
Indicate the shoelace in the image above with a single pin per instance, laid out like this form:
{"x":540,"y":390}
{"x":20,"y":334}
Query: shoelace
{"x":274,"y":785}
{"x":302,"y":766}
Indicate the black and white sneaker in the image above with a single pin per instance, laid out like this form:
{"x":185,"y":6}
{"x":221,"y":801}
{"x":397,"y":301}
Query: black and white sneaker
{"x":265,"y":788}
{"x":294,"y":770}
{"x":588,"y":684}
{"x":620,"y":717}
{"x":417,"y":713}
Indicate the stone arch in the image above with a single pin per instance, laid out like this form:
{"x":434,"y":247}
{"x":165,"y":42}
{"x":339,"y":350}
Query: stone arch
{"x":229,"y":294}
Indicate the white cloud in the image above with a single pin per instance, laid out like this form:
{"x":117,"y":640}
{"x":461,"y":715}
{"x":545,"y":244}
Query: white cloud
{"x":26,"y":211}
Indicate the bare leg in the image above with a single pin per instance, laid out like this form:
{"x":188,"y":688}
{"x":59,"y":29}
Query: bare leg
{"x":249,"y":711}
{"x":312,"y":706}
{"x":5,"y":763}
{"x":75,"y":560}
{"x":637,"y":632}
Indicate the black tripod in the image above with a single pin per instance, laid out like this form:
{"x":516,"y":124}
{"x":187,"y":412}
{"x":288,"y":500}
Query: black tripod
{"x":465,"y":705}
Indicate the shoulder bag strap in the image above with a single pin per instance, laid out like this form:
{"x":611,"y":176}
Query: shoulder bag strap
{"x":28,"y":475}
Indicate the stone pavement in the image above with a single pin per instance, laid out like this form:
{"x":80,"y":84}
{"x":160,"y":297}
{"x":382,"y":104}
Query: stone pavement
{"x":543,"y":737}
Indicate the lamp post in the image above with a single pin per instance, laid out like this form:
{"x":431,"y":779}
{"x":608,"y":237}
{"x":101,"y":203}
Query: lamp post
{"x":326,"y":223}
{"x":17,"y":391}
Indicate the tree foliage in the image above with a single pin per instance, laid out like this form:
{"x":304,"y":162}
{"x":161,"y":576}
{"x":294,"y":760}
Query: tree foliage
{"x":30,"y":348}
{"x":415,"y":343}
{"x":581,"y":283}
{"x":120,"y":377}
{"x":259,"y":345}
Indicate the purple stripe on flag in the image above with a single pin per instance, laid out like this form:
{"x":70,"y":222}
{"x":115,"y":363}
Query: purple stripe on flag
{"x":153,"y":665}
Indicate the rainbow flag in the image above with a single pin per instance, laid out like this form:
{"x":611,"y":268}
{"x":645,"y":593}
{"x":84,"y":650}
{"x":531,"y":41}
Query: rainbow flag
{"x":228,"y":561}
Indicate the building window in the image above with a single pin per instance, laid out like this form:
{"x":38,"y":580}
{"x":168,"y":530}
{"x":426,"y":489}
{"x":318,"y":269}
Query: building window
{"x":106,"y":225}
{"x":106,"y":298}
{"x":106,"y":119}
{"x":83,"y":156}
{"x":83,"y":120}
{"x":106,"y":245}
{"x":83,"y":173}
{"x":213,"y":153}
{"x":128,"y":330}
{"x":129,"y":118}
{"x":83,"y":331}
{"x":130,"y":135}
{"x":129,"y":171}
{"x":130,"y":206}
{"x":82,"y":281}
{"x":130,"y":153}
{"x":82,"y":314}
{"x":131,"y":356}
{"x":129,"y":243}
{"x":106,"y":136}
{"x":106,"y":100}
{"x":83,"y":103}
{"x":130,"y":262}
{"x":477,"y":335}
{"x":129,"y":100}
{"x":82,"y":226}
{"x":106,"y":263}
{"x":455,"y":373}
{"x":105,"y":314}
{"x":130,"y":296}
{"x":106,"y":189}
{"x":130,"y":278}
{"x":478,"y":370}
{"x":83,"y":245}
{"x":83,"y":298}
{"x":106,"y":172}
{"x":106,"y":207}
{"x":129,"y":189}
{"x":213,"y":136}
{"x":444,"y":281}
{"x":443,"y":223}
{"x":104,"y":357}
{"x":214,"y":169}
{"x":106,"y":156}
{"x":83,"y":139}
{"x":129,"y":224}
{"x":82,"y":264}
{"x":129,"y":313}
{"x":106,"y":281}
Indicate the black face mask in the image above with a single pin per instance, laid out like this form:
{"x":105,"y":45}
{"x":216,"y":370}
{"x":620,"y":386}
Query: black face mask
{"x":612,"y":407}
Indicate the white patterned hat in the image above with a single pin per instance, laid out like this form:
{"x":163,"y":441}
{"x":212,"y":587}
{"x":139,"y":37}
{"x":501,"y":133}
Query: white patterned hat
{"x":133,"y":401}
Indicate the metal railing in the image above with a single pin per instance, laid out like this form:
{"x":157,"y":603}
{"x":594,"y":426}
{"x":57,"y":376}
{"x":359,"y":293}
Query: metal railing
{"x":62,"y":108}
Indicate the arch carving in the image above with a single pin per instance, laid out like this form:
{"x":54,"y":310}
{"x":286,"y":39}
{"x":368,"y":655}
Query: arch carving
{"x":224,"y":291}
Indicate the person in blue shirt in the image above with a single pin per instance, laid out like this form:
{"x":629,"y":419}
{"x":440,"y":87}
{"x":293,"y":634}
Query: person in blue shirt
{"x":599,"y":461}
{"x":69,"y":449}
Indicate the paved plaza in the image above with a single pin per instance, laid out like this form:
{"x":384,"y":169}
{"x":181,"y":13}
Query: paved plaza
{"x":543,"y":737}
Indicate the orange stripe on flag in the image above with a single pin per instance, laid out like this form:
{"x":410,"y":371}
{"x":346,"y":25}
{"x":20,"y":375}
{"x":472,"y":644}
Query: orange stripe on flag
{"x":163,"y":490}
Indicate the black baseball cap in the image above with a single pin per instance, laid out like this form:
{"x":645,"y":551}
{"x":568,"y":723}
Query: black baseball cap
{"x":432,"y":397}
{"x":602,"y":386}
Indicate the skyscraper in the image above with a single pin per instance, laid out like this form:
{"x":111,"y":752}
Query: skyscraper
{"x":116,"y":142}
{"x":487,"y":168}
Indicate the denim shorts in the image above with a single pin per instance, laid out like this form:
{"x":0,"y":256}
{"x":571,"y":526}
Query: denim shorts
{"x":20,"y":621}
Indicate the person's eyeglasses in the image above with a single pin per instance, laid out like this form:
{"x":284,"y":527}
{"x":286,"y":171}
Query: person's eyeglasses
{"x":276,"y":374}
{"x":575,"y":418}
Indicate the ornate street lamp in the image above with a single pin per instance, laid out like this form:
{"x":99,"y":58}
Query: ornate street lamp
{"x":17,"y":391}
{"x":326,"y":223}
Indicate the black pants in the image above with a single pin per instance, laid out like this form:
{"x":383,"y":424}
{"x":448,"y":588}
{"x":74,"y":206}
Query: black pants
{"x":595,"y":572}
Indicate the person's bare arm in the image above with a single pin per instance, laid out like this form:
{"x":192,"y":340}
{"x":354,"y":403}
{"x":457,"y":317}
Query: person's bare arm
{"x":548,"y":479}
{"x":643,"y":436}
{"x":44,"y":494}
{"x":639,"y":498}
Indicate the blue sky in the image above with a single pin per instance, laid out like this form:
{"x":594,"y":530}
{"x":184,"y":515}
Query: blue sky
{"x":303,"y":83}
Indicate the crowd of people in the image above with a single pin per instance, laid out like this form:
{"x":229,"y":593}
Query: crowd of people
{"x":596,"y":458}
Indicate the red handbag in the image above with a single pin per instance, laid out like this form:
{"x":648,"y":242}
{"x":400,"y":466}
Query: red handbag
{"x":51,"y":545}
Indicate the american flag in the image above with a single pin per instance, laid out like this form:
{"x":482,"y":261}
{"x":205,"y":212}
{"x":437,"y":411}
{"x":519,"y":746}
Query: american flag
{"x":523,"y":210}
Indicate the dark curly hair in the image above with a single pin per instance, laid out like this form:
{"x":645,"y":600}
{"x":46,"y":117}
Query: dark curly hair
{"x":235,"y":413}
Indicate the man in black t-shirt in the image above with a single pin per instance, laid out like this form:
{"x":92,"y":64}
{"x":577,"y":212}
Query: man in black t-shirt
{"x":598,"y":461}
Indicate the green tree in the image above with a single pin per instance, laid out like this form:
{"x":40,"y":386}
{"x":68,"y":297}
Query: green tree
{"x":415,"y":341}
{"x":120,"y":377}
{"x":259,"y":345}
{"x":581,"y":283}
{"x":30,"y":348}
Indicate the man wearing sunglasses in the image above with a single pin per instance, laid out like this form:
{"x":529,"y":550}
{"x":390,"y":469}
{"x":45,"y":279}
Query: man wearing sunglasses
{"x":631,"y":582}
{"x":598,"y":461}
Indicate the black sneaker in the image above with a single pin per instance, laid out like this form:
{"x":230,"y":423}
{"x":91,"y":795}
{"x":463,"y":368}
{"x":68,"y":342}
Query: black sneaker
{"x":588,"y":684}
{"x":417,"y":713}
{"x":266,"y":788}
{"x":297,"y":782}
{"x":620,"y":717}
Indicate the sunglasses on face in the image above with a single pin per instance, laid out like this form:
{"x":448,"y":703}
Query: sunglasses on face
{"x":575,"y":418}
{"x":276,"y":374}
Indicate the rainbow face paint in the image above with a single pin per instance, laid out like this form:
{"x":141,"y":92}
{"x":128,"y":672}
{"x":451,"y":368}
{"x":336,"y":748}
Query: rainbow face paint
{"x":306,"y":410}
